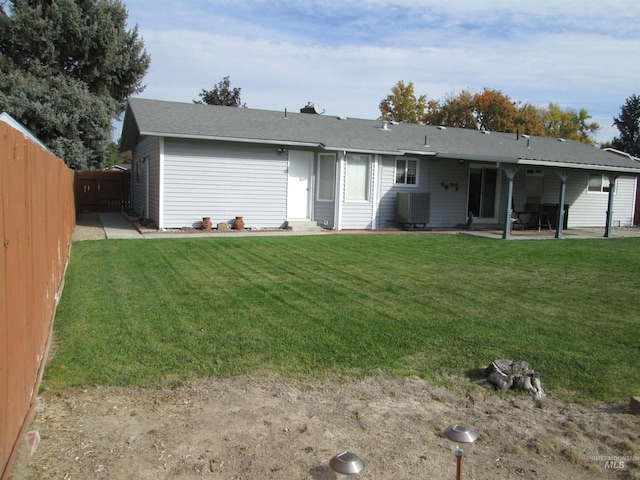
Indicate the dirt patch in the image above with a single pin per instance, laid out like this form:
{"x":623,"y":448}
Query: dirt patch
{"x":254,"y":428}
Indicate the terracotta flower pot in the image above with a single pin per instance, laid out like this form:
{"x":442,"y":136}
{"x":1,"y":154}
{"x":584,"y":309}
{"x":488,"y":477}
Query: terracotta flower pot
{"x":238,"y":223}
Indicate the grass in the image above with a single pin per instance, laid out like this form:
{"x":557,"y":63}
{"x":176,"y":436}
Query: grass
{"x":160,"y":312}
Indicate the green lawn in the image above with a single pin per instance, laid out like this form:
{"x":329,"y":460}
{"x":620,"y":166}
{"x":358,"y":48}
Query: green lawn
{"x":163,"y":311}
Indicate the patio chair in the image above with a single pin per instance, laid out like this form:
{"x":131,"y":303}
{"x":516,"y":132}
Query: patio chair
{"x":516,"y":218}
{"x":537,"y":215}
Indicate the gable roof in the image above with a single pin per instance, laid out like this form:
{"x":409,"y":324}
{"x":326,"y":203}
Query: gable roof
{"x":187,"y":120}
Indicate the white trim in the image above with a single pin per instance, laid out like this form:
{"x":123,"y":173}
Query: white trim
{"x":579,"y":166}
{"x":233,"y":139}
{"x":161,"y":184}
{"x":340,"y":190}
{"x":417,"y":152}
{"x":395,"y":172}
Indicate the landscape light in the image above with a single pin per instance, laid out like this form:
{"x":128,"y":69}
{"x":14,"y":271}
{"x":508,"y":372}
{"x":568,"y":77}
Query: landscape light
{"x":461,"y":439}
{"x":346,"y":465}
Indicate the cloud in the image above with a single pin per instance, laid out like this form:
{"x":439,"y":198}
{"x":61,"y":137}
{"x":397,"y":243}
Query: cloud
{"x":347,"y":55}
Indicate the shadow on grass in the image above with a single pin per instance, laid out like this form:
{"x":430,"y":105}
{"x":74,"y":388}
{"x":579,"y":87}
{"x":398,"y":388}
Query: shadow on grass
{"x":476,"y":374}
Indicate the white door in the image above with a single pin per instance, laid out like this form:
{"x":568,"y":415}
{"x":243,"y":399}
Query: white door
{"x":299,"y":185}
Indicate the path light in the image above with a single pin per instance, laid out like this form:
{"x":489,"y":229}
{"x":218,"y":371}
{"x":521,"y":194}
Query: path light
{"x":346,"y":465}
{"x":461,"y":439}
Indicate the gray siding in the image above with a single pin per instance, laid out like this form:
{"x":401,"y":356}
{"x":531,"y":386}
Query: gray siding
{"x":148,"y":148}
{"x":448,"y":206}
{"x":324,"y":212}
{"x":222,"y":181}
{"x":137,"y":186}
{"x":225,"y":180}
{"x":389,"y":190}
{"x":589,"y":208}
{"x":154,"y":185}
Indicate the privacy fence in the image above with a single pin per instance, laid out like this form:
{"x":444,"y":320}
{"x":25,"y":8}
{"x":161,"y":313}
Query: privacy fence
{"x":106,"y":191}
{"x":37,"y":218}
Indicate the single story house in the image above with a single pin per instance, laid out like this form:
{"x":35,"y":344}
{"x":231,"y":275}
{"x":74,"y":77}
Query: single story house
{"x":276,"y":167}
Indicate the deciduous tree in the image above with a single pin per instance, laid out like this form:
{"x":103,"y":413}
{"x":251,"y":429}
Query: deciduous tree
{"x":529,"y":121}
{"x":402,"y":105}
{"x":494,"y":111}
{"x":222,"y":94}
{"x":456,"y":111}
{"x":568,"y":124}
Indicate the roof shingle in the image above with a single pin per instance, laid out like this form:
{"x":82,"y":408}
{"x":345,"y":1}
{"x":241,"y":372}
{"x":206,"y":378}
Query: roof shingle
{"x":186,"y":120}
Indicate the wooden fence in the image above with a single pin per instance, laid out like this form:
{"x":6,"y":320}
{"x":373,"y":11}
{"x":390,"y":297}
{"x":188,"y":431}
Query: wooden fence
{"x":37,"y":218}
{"x":103,"y":191}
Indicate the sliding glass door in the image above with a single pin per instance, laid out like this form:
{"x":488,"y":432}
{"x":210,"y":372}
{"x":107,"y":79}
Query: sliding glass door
{"x":483,"y":193}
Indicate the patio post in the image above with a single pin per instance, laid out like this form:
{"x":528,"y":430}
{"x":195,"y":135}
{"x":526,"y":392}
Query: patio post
{"x":612,"y":186}
{"x":563,"y":193}
{"x":506,"y":233}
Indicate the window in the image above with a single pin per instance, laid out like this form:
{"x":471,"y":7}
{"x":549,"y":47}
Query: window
{"x":599,"y":183}
{"x":358,"y":173}
{"x":406,"y":172}
{"x":326,"y":176}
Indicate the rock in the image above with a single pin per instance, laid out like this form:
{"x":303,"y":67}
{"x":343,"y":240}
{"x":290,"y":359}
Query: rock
{"x":501,"y":380}
{"x":505,"y":374}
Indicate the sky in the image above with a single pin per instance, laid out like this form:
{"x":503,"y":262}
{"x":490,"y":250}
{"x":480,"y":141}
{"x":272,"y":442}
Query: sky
{"x":346,"y":55}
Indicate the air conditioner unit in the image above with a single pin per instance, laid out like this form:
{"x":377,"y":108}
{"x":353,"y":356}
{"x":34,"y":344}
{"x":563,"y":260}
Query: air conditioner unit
{"x":412,"y":209}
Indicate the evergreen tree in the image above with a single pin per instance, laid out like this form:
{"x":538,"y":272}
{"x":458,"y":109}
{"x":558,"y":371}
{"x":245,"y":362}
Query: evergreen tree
{"x":66,"y":70}
{"x":628,"y":123}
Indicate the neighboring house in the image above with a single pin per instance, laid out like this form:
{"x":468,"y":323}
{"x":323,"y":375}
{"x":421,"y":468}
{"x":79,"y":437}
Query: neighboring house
{"x":192,"y":161}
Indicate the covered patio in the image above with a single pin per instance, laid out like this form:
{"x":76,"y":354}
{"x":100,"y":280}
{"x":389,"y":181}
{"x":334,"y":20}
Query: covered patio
{"x":551,"y":218}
